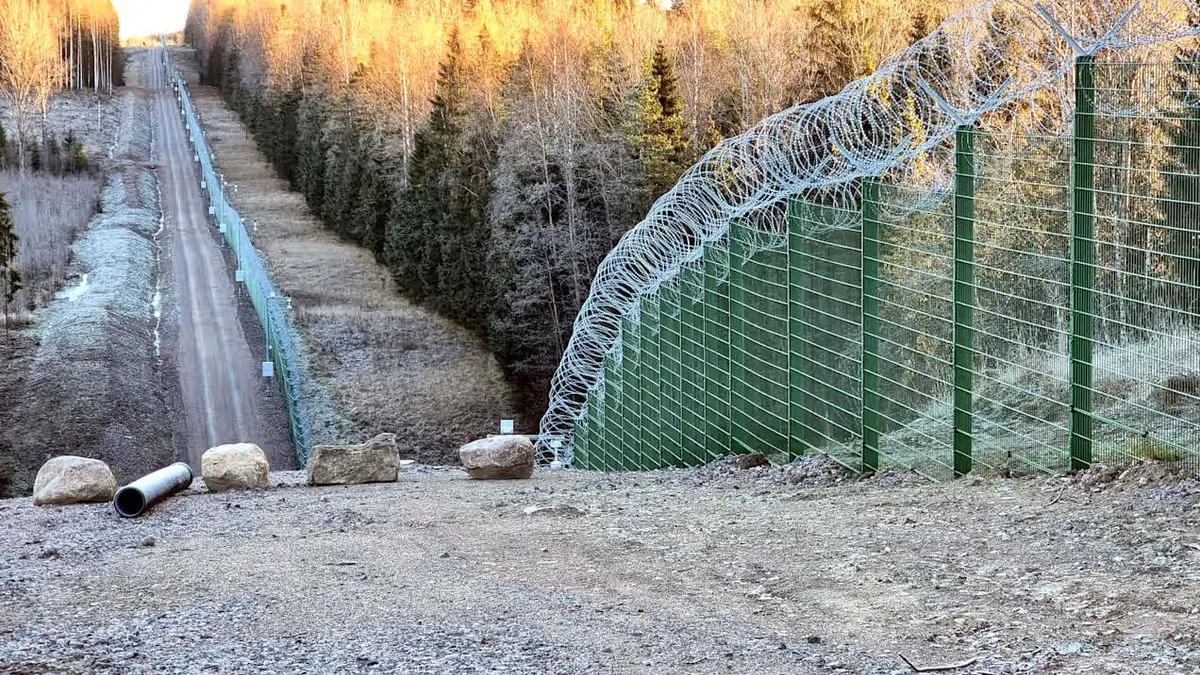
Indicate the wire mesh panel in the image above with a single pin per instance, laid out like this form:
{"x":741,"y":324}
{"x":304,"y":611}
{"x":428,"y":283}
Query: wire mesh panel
{"x":631,"y":394}
{"x":716,"y":351}
{"x":1146,"y":332}
{"x":758,"y":337}
{"x":670,"y":360}
{"x":692,"y":395}
{"x":583,"y":436}
{"x":613,"y":446}
{"x":825,"y":312}
{"x":1022,"y":295}
{"x":651,"y":383}
{"x":916,"y":331}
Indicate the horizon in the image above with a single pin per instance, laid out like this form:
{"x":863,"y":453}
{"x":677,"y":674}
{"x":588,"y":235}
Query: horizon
{"x":139,"y":18}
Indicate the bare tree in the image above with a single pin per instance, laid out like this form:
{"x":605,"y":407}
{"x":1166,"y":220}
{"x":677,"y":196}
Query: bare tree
{"x":29,"y":63}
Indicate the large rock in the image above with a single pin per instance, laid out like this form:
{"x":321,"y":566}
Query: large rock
{"x":238,"y":466}
{"x":73,"y":480}
{"x":498,"y":457}
{"x":376,"y":461}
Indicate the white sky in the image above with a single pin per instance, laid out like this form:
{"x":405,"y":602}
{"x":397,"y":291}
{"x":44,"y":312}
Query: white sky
{"x":150,"y":17}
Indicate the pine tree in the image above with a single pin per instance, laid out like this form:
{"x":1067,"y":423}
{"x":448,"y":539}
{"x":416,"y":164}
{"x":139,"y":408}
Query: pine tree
{"x":663,"y":140}
{"x":10,"y":279}
{"x":3,"y":147}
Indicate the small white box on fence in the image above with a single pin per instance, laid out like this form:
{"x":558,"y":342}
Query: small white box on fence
{"x":239,"y":275}
{"x":203,"y":185}
{"x":212,"y":211}
{"x":221,"y":227}
{"x":268,"y":369}
{"x":506,"y":426}
{"x":195,"y":157}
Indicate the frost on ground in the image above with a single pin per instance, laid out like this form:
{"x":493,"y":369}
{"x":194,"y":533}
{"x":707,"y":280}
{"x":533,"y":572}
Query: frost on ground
{"x":1022,"y":410}
{"x":714,"y":570}
{"x":84,"y":378}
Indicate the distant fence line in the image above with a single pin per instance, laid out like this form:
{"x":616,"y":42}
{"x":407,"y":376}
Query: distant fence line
{"x":270,"y":305}
{"x":1044,"y":314}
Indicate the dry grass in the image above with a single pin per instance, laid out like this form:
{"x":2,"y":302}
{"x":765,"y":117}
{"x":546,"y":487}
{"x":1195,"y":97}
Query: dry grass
{"x":384,"y":364}
{"x":48,"y":211}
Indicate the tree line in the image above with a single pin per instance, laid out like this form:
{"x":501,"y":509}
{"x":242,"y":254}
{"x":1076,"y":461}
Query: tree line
{"x":48,"y":45}
{"x":491,"y":152}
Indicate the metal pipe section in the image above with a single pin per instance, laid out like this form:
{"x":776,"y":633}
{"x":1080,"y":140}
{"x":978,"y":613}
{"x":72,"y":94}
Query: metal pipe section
{"x":133,"y":499}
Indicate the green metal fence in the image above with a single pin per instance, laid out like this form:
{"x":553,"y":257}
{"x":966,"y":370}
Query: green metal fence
{"x":1042,"y":313}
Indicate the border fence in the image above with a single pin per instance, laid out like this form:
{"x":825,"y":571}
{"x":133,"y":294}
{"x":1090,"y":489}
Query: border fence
{"x":1042,"y":313}
{"x":270,"y":305}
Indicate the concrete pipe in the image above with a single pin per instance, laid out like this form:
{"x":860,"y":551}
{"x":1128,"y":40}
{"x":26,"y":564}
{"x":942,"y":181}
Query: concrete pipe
{"x":133,"y":499}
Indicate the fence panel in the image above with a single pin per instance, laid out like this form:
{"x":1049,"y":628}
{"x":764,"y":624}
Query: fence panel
{"x":670,"y":359}
{"x":1146,"y":329}
{"x":269,"y":305}
{"x":1040,"y":314}
{"x":693,"y":428}
{"x":758,"y":335}
{"x":825,"y":263}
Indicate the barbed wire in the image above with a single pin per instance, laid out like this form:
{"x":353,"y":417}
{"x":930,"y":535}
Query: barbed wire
{"x":897,"y":123}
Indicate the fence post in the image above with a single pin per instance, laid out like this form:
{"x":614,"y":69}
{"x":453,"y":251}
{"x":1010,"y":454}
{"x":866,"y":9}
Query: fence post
{"x":1083,"y":262}
{"x":964,"y":289}
{"x":870,"y":325}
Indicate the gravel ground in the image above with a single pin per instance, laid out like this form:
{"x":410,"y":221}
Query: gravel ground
{"x":717,"y":570}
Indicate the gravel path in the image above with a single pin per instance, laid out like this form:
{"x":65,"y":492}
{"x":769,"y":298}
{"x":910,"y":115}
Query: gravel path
{"x":223,"y":398}
{"x":708,"y":571}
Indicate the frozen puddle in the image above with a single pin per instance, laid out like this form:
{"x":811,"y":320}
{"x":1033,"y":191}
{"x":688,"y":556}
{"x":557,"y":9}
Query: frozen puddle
{"x":74,"y":292}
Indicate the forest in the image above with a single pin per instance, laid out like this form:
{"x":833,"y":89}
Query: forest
{"x":46,"y":46}
{"x":490,"y":153}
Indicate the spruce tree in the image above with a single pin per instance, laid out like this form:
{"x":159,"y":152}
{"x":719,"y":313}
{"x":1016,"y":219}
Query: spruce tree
{"x":52,"y":155}
{"x":10,"y":279}
{"x":414,"y":247}
{"x":310,"y":152}
{"x":74,"y":156}
{"x":663,"y":142}
{"x":371,"y":207}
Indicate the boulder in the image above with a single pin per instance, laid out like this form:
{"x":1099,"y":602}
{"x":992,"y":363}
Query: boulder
{"x":376,"y":461}
{"x":237,"y":466}
{"x":498,"y":457}
{"x":73,"y":480}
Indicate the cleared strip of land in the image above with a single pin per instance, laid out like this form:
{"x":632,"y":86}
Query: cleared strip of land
{"x":375,"y":362}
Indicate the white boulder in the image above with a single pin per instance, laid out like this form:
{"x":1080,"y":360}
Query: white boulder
{"x":73,"y":480}
{"x":498,"y":457}
{"x":237,"y":466}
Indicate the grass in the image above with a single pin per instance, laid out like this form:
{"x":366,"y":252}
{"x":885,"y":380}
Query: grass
{"x":48,"y":211}
{"x":384,"y":365}
{"x":1153,"y":449}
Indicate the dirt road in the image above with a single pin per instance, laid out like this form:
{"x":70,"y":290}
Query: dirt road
{"x":664,"y":572}
{"x":223,"y":397}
